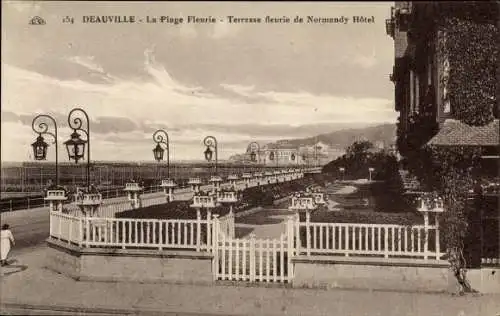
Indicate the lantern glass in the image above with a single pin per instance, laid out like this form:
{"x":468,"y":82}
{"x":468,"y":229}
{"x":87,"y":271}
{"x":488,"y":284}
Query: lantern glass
{"x":158,"y":152}
{"x":40,"y":148}
{"x":271,"y":156}
{"x":293,"y":157}
{"x":75,"y":147}
{"x":208,"y":154}
{"x":253,"y":156}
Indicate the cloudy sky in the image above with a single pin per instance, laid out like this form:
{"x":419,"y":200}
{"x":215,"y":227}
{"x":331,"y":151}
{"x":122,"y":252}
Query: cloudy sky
{"x":237,"y":82}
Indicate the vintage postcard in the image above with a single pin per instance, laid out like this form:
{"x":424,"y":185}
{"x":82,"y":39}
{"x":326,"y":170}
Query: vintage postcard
{"x":250,"y":158}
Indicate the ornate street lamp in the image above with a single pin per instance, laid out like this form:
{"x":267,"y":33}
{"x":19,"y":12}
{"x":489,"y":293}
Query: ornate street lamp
{"x":75,"y":145}
{"x":211,"y":143}
{"x":160,"y":137}
{"x":40,"y":146}
{"x":254,"y":149}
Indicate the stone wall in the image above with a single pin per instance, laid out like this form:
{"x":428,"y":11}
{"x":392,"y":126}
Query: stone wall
{"x":372,"y":274}
{"x":186,"y":267}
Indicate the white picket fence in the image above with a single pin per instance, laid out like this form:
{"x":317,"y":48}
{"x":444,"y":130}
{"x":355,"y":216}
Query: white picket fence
{"x":381,"y":240}
{"x":252,"y":259}
{"x":131,"y":233}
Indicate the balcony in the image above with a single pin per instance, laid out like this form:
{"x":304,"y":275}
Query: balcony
{"x":233,"y":177}
{"x":247,"y":176}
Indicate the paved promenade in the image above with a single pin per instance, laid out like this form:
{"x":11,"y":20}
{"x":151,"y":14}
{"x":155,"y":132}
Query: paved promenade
{"x":28,"y":288}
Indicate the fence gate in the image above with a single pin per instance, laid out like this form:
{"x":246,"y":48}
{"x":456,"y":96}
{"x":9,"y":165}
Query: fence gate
{"x":252,"y":259}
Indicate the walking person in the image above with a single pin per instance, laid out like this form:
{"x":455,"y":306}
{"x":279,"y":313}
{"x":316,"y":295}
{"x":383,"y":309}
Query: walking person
{"x":6,"y":238}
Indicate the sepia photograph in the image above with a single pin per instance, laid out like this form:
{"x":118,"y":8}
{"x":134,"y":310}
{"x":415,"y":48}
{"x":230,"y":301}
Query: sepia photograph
{"x":250,"y":158}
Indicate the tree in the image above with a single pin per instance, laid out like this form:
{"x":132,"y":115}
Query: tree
{"x":359,"y":149}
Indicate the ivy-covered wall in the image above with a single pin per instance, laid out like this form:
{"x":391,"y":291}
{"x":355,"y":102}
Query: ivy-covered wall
{"x":471,"y":49}
{"x":472,"y":52}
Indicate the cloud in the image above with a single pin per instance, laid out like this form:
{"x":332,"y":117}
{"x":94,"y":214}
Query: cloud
{"x":126,"y":112}
{"x":239,"y":89}
{"x":87,"y":62}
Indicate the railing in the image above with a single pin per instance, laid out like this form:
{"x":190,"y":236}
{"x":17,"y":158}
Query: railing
{"x":158,"y":200}
{"x":194,"y":181}
{"x":109,"y":210}
{"x":204,"y":201}
{"x":227,"y":225}
{"x":303,"y":203}
{"x":66,"y":227}
{"x":168,"y":183}
{"x":368,"y":239}
{"x":227,"y":197}
{"x":89,"y":198}
{"x":133,"y":186}
{"x":131,"y":233}
{"x":29,"y":203}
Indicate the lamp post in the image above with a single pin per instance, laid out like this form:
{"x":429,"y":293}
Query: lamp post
{"x":370,"y":170}
{"x":40,"y":146}
{"x":54,"y":194}
{"x":160,"y":137}
{"x":75,"y":145}
{"x":87,"y":201}
{"x":211,"y":143}
{"x":252,"y":148}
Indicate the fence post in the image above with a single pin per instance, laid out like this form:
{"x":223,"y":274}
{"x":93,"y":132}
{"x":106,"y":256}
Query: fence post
{"x":51,"y":225}
{"x":426,"y":235}
{"x":209,"y":229}
{"x":308,"y":232}
{"x":438,"y":246}
{"x":232,"y":225}
{"x":252,"y":257}
{"x":297,"y":234}
{"x":386,"y":241}
{"x":198,"y":229}
{"x":215,"y":246}
{"x":10,"y":205}
{"x":80,"y":227}
{"x":290,"y":247}
{"x":28,"y":202}
{"x":87,"y":231}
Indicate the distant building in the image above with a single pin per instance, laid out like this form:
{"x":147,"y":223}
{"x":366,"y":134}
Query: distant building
{"x":282,"y":153}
